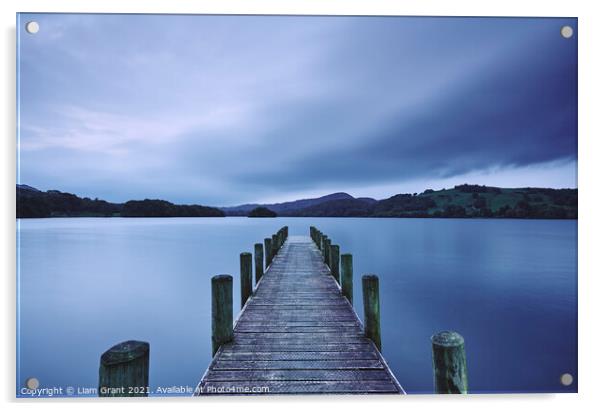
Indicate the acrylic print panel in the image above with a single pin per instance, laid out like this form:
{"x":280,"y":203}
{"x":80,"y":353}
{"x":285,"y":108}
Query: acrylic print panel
{"x":213,"y":205}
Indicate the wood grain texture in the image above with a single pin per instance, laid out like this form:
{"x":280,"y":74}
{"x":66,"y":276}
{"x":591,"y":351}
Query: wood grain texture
{"x":298,"y":335}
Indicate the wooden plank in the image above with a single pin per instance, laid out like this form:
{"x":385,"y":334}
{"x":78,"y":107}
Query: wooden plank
{"x":314,"y":321}
{"x":253,"y":328}
{"x":300,"y":387}
{"x":346,"y":364}
{"x":352,"y":346}
{"x":308,"y":355}
{"x":299,"y":375}
{"x":298,"y":334}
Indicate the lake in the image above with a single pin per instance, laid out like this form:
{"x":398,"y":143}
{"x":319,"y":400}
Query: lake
{"x":508,"y":286}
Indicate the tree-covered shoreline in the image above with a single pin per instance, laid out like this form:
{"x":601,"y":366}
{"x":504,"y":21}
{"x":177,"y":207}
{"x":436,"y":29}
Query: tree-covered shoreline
{"x":462,"y":201}
{"x":33,"y":203}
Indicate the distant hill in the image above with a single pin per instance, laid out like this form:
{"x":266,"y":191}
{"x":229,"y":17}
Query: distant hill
{"x":33,"y":203}
{"x":482,"y":201}
{"x":349,"y":207}
{"x":462,"y":201}
{"x":288,"y":208}
{"x":262,"y":212}
{"x":162,"y":208}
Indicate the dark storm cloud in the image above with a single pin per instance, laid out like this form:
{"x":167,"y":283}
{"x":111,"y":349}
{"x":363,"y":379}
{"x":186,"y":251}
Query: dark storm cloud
{"x":241,"y":109}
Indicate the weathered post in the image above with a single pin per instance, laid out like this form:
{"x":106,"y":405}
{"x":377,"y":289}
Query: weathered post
{"x":123,"y":370}
{"x":449,"y":363}
{"x":371,"y":309}
{"x":319,"y":241}
{"x":258,"y":262}
{"x":334,"y":262}
{"x":246,"y":277}
{"x":327,"y":251}
{"x":347,"y":276}
{"x":323,"y":247}
{"x":221,"y":311}
{"x":268,"y":251}
{"x":274,"y":247}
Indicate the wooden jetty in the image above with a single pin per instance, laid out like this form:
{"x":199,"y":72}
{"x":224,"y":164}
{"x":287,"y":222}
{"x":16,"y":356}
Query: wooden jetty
{"x":297,"y":333}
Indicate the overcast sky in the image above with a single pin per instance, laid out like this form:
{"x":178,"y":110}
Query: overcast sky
{"x":223,"y":110}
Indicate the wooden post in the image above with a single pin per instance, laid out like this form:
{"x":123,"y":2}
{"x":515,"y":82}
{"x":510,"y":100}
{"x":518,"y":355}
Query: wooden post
{"x":334,"y":262}
{"x":347,"y":276}
{"x":449,"y":363}
{"x":371,"y":309}
{"x":258,"y":262}
{"x":268,"y":250}
{"x":246,"y":277}
{"x":327,"y":251}
{"x":123,"y":370}
{"x":274,"y":247}
{"x":324,"y":241}
{"x":221,"y":311}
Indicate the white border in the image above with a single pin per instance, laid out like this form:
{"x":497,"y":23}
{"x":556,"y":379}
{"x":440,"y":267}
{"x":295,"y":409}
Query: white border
{"x":590,"y":133}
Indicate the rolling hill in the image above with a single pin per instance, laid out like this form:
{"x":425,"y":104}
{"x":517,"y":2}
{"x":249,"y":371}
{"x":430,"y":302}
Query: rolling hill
{"x":462,"y":201}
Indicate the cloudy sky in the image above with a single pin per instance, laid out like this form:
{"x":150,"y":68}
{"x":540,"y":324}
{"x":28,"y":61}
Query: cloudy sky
{"x":224,"y":110}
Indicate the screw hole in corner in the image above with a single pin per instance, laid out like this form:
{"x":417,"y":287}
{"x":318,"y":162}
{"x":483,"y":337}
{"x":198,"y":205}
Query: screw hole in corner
{"x":566,"y":32}
{"x":566,"y":379}
{"x":32,"y":27}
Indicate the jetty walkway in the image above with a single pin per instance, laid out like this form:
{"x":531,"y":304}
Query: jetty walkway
{"x":298,"y":334}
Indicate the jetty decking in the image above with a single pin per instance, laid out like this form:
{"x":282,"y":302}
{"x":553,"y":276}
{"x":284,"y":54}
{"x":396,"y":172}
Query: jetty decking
{"x":297,"y":334}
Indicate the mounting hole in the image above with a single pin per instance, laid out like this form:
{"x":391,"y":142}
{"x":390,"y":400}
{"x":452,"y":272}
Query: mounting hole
{"x":32,"y":27}
{"x":566,"y":32}
{"x":32,"y":383}
{"x":566,"y":379}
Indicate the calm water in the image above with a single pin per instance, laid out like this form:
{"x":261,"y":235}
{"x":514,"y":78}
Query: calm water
{"x":508,"y":286}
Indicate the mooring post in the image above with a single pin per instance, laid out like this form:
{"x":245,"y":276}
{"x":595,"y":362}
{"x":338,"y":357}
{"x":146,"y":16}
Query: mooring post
{"x":246,"y":277}
{"x":371,"y":309}
{"x":449,"y":363}
{"x":334,"y":262}
{"x":274,"y":247}
{"x":320,"y":239}
{"x":221,"y":311}
{"x":268,"y":251}
{"x":327,"y":252}
{"x":123,"y":370}
{"x":324,"y":242}
{"x":258,"y":262}
{"x":347,"y":276}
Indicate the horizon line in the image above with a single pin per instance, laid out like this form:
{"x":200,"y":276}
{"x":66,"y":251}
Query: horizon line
{"x":300,"y":199}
